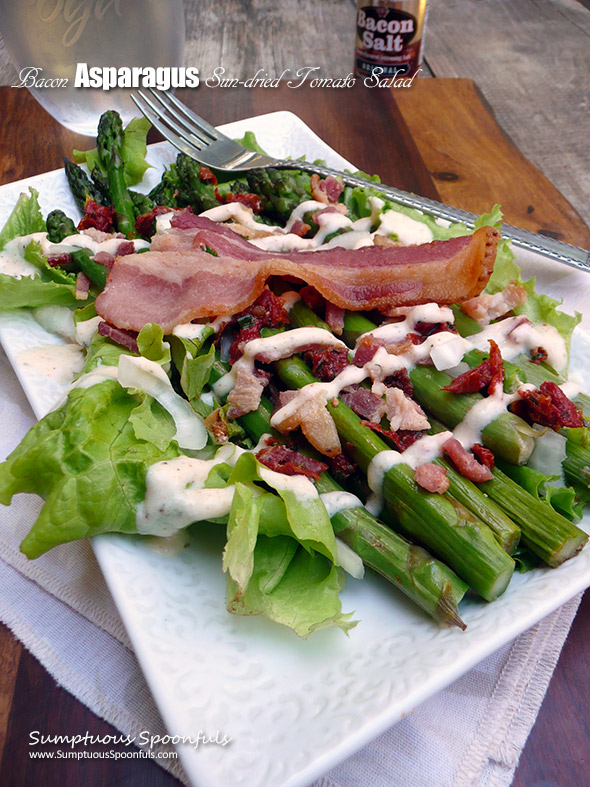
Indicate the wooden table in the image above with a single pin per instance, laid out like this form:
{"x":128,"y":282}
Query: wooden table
{"x":437,"y":139}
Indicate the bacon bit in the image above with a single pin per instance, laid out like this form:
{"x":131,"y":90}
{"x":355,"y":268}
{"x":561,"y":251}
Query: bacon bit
{"x":104,"y":258}
{"x":483,"y":455}
{"x":404,"y":413}
{"x":432,"y":477}
{"x":145,"y":225}
{"x":335,"y":318}
{"x":338,"y":208}
{"x":267,"y":311}
{"x":364,"y":403}
{"x":125,"y":248}
{"x":548,"y":406}
{"x":427,"y":329}
{"x":246,"y":394}
{"x":327,"y":190}
{"x":217,"y":425}
{"x":300,"y":228}
{"x":402,"y":439}
{"x":341,"y":467}
{"x":539,"y":355}
{"x":312,"y":299}
{"x":252,"y":201}
{"x":326,"y":362}
{"x":489,"y":374}
{"x":366,"y":349}
{"x":400,"y":379}
{"x":101,"y":217}
{"x":119,"y":335}
{"x":484,"y":308}
{"x":206,"y":176}
{"x":82,"y":286}
{"x":316,"y":424}
{"x":465,"y":462}
{"x":59,"y":260}
{"x":285,"y":460}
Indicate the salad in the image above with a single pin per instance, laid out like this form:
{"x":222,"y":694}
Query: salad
{"x":335,"y":380}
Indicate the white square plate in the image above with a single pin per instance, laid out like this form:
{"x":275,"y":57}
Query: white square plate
{"x":292,"y":708}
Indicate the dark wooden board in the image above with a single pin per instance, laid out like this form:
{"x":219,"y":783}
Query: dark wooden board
{"x":394,"y":135}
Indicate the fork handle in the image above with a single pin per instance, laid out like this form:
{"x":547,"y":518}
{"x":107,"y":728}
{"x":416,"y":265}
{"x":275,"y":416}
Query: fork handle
{"x":548,"y":247}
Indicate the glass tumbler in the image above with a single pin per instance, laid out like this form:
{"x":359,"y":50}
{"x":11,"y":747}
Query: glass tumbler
{"x":46,"y":39}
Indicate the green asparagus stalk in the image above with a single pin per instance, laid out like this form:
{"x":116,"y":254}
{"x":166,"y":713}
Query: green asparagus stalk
{"x":80,"y":184}
{"x":96,"y":272}
{"x":425,"y":580}
{"x":551,"y":536}
{"x":439,"y":522}
{"x":109,"y":143}
{"x":59,"y":226}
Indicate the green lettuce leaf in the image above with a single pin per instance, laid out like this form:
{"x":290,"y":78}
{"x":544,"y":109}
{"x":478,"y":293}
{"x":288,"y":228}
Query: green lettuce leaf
{"x":547,"y":488}
{"x":152,"y":346}
{"x":88,"y":461}
{"x":31,"y":292}
{"x":133,"y":152}
{"x":292,"y":587}
{"x":57,"y":274}
{"x":537,"y":307}
{"x":25,"y":218}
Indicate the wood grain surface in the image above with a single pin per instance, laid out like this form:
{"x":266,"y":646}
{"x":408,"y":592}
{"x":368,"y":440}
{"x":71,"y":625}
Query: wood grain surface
{"x":378,"y":131}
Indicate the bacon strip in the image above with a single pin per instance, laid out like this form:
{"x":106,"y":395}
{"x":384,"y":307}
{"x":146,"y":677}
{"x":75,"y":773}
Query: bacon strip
{"x":286,"y":460}
{"x":175,"y":287}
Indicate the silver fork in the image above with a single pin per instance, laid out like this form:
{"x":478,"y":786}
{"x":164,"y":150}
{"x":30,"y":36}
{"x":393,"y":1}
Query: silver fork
{"x":200,"y":140}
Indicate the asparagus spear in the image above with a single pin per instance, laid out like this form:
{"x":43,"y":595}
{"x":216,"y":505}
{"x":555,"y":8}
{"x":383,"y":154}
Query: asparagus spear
{"x":551,"y":536}
{"x":440,"y":522}
{"x":425,"y":580}
{"x":80,"y":185}
{"x":59,"y":226}
{"x":108,"y":144}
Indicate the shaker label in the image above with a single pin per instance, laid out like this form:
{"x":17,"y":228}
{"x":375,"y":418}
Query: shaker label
{"x":385,"y":30}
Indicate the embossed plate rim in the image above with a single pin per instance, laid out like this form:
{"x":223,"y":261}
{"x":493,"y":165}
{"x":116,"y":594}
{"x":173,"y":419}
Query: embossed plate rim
{"x":331,"y":713}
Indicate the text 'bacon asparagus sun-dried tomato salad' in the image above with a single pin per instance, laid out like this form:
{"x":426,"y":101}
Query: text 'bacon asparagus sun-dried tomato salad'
{"x":335,"y":380}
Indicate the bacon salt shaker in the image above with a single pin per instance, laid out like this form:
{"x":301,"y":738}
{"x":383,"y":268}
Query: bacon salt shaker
{"x":389,"y":36}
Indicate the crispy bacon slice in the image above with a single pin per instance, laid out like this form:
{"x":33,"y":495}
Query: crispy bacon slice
{"x":465,"y":462}
{"x":483,"y":455}
{"x":432,"y":477}
{"x":327,"y":190}
{"x":548,"y":406}
{"x":286,"y":460}
{"x":119,"y":336}
{"x":364,"y":403}
{"x":402,"y":439}
{"x":175,"y":287}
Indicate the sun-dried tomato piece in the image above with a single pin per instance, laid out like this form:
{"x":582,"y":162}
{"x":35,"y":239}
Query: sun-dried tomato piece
{"x":286,"y":460}
{"x":252,"y":201}
{"x":539,"y":355}
{"x":145,"y":224}
{"x":402,"y":439}
{"x":206,"y":176}
{"x":341,"y":466}
{"x":326,"y":362}
{"x":267,"y":311}
{"x":483,"y":455}
{"x":488,"y":374}
{"x":101,"y":217}
{"x":548,"y":406}
{"x":400,"y":379}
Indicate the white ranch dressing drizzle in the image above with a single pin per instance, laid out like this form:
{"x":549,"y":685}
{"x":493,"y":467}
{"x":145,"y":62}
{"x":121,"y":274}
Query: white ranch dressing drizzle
{"x":338,"y":501}
{"x":86,"y":329}
{"x":281,"y":345}
{"x":83,"y":241}
{"x":516,"y":334}
{"x":423,"y":450}
{"x":56,"y":362}
{"x":239,"y":213}
{"x":12,"y":259}
{"x":409,"y":231}
{"x":189,"y":330}
{"x":482,"y":413}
